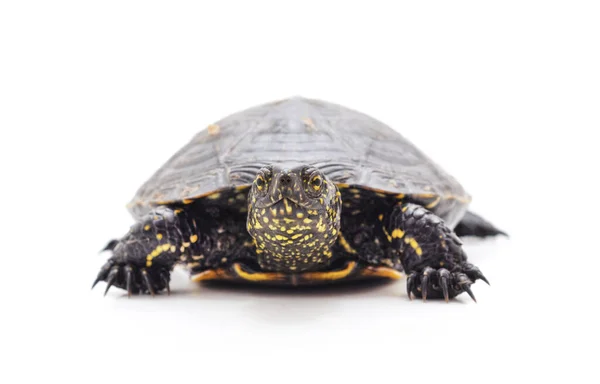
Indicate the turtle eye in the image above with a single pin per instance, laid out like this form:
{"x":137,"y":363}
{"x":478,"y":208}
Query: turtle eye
{"x":315,"y":184}
{"x":262,"y":180}
{"x":260,"y":183}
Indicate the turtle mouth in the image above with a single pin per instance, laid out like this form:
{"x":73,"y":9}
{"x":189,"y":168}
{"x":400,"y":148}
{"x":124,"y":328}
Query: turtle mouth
{"x":289,"y":205}
{"x":291,"y":208}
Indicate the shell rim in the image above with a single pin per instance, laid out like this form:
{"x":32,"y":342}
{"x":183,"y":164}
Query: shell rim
{"x":186,"y":200}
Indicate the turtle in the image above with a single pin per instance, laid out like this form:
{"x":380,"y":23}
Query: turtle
{"x":299,"y":192}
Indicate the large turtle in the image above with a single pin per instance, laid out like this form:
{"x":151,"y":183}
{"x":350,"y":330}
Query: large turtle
{"x":299,"y":192}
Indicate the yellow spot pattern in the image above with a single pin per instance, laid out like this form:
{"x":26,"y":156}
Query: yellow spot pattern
{"x":413,"y":243}
{"x":156,"y":252}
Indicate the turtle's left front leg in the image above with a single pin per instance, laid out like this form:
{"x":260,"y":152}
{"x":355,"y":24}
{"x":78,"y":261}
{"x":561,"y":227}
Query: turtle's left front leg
{"x":431,"y":254}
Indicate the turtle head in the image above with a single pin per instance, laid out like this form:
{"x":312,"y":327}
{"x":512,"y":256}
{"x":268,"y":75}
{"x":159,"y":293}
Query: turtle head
{"x":294,"y":218}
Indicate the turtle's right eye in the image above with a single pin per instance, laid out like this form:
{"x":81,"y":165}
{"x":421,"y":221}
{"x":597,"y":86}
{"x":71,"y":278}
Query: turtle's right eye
{"x":261,"y":183}
{"x":262,"y":179}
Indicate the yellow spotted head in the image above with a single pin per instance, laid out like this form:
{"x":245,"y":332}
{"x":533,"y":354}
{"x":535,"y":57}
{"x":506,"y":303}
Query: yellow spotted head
{"x":294,"y":218}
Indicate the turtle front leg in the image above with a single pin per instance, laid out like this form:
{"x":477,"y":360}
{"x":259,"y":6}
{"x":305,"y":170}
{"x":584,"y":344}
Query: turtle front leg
{"x":143,"y":259}
{"x":431,"y":254}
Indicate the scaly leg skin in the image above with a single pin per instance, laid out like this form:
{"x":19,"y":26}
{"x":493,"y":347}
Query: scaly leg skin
{"x":431,"y":254}
{"x":143,"y":259}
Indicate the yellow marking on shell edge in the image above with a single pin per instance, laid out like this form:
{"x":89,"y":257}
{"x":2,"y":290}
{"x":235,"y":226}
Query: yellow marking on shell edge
{"x":188,"y":201}
{"x":332,"y":275}
{"x":214,"y":196}
{"x":425,"y":195}
{"x":213,"y":129}
{"x":257,"y":276}
{"x":397,"y":234}
{"x":308,"y":122}
{"x":194,"y":238}
{"x":211,"y":274}
{"x":434,"y":203}
{"x":386,"y":272}
{"x":400,"y":196}
{"x":344,"y":243}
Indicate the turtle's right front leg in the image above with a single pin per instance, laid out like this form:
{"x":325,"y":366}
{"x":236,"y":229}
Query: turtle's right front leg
{"x":143,"y":259}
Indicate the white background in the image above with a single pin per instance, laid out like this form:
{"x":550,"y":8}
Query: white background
{"x":95,"y":96}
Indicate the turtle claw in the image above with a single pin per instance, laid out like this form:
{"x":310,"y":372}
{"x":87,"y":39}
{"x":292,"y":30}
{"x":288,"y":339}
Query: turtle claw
{"x":425,"y":282}
{"x":110,"y":246}
{"x":98,"y":279}
{"x":481,"y":277}
{"x":134,"y":279}
{"x":474,"y":273}
{"x":467,"y":289}
{"x":112,"y":276}
{"x":444,"y":276}
{"x":440,"y":283}
{"x":103,"y":274}
{"x":410,"y":284}
{"x":128,"y":279}
{"x":165,"y":278}
{"x":147,"y":282}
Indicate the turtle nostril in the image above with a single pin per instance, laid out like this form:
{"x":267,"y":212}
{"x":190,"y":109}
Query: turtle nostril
{"x":285,"y":180}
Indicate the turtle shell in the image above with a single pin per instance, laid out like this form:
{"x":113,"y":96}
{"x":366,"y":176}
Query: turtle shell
{"x":350,"y":147}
